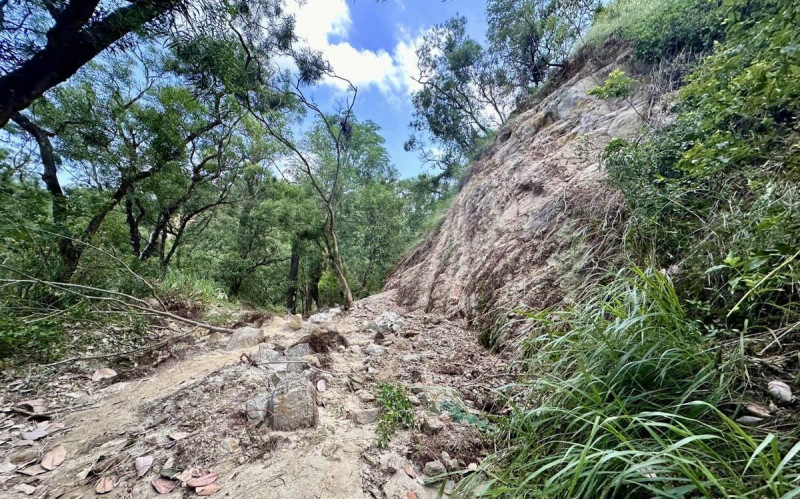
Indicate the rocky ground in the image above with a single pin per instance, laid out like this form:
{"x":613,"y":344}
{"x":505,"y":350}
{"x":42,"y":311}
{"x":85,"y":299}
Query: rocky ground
{"x":282,"y":408}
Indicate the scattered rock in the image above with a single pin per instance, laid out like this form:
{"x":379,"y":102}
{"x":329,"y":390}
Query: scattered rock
{"x":229,"y":445}
{"x":245,"y":337}
{"x":293,"y":404}
{"x":365,"y":396}
{"x":434,"y":468}
{"x":257,"y":408}
{"x":472,"y":466}
{"x":374,"y":350}
{"x":432,"y":426}
{"x":780,"y":391}
{"x":414,"y":400}
{"x":321,"y":385}
{"x":266,"y":355}
{"x":24,"y":488}
{"x":366,"y":416}
{"x":379,"y":328}
{"x":295,"y":322}
{"x":355,"y":349}
{"x":299,"y":351}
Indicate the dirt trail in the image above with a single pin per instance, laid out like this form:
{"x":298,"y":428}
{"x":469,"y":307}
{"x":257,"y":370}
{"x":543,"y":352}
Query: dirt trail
{"x":200,"y":394}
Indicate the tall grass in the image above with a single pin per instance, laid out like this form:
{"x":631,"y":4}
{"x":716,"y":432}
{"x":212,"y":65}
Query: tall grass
{"x":185,"y":286}
{"x":626,"y":397}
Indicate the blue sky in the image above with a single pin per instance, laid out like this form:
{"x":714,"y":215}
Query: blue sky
{"x":372,"y":43}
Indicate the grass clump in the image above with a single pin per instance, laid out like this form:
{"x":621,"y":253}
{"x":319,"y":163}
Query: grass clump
{"x":398,"y":411}
{"x":623,"y":399}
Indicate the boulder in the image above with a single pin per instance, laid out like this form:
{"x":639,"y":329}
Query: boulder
{"x":245,"y":337}
{"x":293,"y":404}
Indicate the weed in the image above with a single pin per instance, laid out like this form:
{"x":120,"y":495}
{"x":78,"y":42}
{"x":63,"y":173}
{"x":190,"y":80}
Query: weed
{"x":398,"y":412}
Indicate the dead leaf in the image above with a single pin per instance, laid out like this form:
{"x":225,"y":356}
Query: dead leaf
{"x":178,"y":435}
{"x":103,"y":373}
{"x":143,"y":465}
{"x":749,"y":420}
{"x":758,"y":410}
{"x":411,"y":495}
{"x":21,"y":443}
{"x":34,"y":470}
{"x":163,"y":486}
{"x":54,"y":427}
{"x":35,"y":406}
{"x":207,"y":490}
{"x":104,"y":485}
{"x":54,"y":457}
{"x":34,"y":434}
{"x":321,"y":385}
{"x":203,"y":480}
{"x":410,"y":471}
{"x":184,"y":476}
{"x":472,"y":466}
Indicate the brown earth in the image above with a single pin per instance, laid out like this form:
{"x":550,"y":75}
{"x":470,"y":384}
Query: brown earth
{"x":533,"y":216}
{"x":198,"y":394}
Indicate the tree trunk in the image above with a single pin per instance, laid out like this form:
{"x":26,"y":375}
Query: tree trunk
{"x":71,"y":43}
{"x":338,"y":266}
{"x":294,"y":268}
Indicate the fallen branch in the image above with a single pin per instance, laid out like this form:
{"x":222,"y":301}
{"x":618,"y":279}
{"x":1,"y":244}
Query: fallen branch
{"x":145,"y":348}
{"x":133,"y":303}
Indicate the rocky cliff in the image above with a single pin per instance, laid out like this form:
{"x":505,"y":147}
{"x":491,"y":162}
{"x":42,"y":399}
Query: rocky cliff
{"x":529,"y":222}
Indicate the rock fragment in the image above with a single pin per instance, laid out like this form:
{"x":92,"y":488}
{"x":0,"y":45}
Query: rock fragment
{"x":244,"y":337}
{"x":293,"y":404}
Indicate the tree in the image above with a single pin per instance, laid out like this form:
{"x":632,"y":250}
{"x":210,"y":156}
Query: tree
{"x":45,"y":42}
{"x":531,"y":37}
{"x":462,"y":99}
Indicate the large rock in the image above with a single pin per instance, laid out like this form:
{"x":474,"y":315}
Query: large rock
{"x":293,"y":404}
{"x":295,"y":322}
{"x":245,"y":337}
{"x":298,"y":351}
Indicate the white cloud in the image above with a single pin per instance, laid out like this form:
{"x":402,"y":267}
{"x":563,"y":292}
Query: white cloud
{"x":324,"y":25}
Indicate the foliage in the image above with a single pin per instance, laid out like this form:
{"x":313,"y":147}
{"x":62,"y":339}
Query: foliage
{"x":618,"y":84}
{"x":660,"y":29}
{"x":397,"y":411}
{"x":635,"y":389}
{"x":533,"y":37}
{"x":628,"y":390}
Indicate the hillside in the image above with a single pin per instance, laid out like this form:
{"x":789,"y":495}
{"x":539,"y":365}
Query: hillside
{"x":528,"y":223}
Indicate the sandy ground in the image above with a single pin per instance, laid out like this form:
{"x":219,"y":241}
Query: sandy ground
{"x":198,"y":395}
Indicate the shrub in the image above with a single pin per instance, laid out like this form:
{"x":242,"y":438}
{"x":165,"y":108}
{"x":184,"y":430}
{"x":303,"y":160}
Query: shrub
{"x":618,"y":84}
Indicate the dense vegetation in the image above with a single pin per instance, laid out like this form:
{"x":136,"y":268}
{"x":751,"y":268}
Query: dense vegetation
{"x":646,"y":386}
{"x":188,"y":161}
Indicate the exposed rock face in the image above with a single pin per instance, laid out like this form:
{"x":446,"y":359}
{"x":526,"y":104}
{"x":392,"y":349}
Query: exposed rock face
{"x":517,"y":233}
{"x":245,"y":337}
{"x":293,"y":404}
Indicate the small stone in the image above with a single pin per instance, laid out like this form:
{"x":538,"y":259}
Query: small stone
{"x":365,"y":396}
{"x":432,"y":426}
{"x":257,"y":408}
{"x":414,"y":400}
{"x":229,"y":445}
{"x":366,"y":416}
{"x":266,"y":355}
{"x":355,"y":349}
{"x":293,"y":405}
{"x":295,"y":322}
{"x":321,"y":385}
{"x":25,"y":488}
{"x":749,"y":420}
{"x":472,"y":466}
{"x":434,"y":468}
{"x":379,"y":328}
{"x":245,"y":337}
{"x":780,"y":391}
{"x":299,"y":351}
{"x":312,"y":361}
{"x":374,"y":350}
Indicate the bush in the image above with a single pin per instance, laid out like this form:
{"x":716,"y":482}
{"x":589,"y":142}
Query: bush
{"x":33,"y":341}
{"x":660,"y":29}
